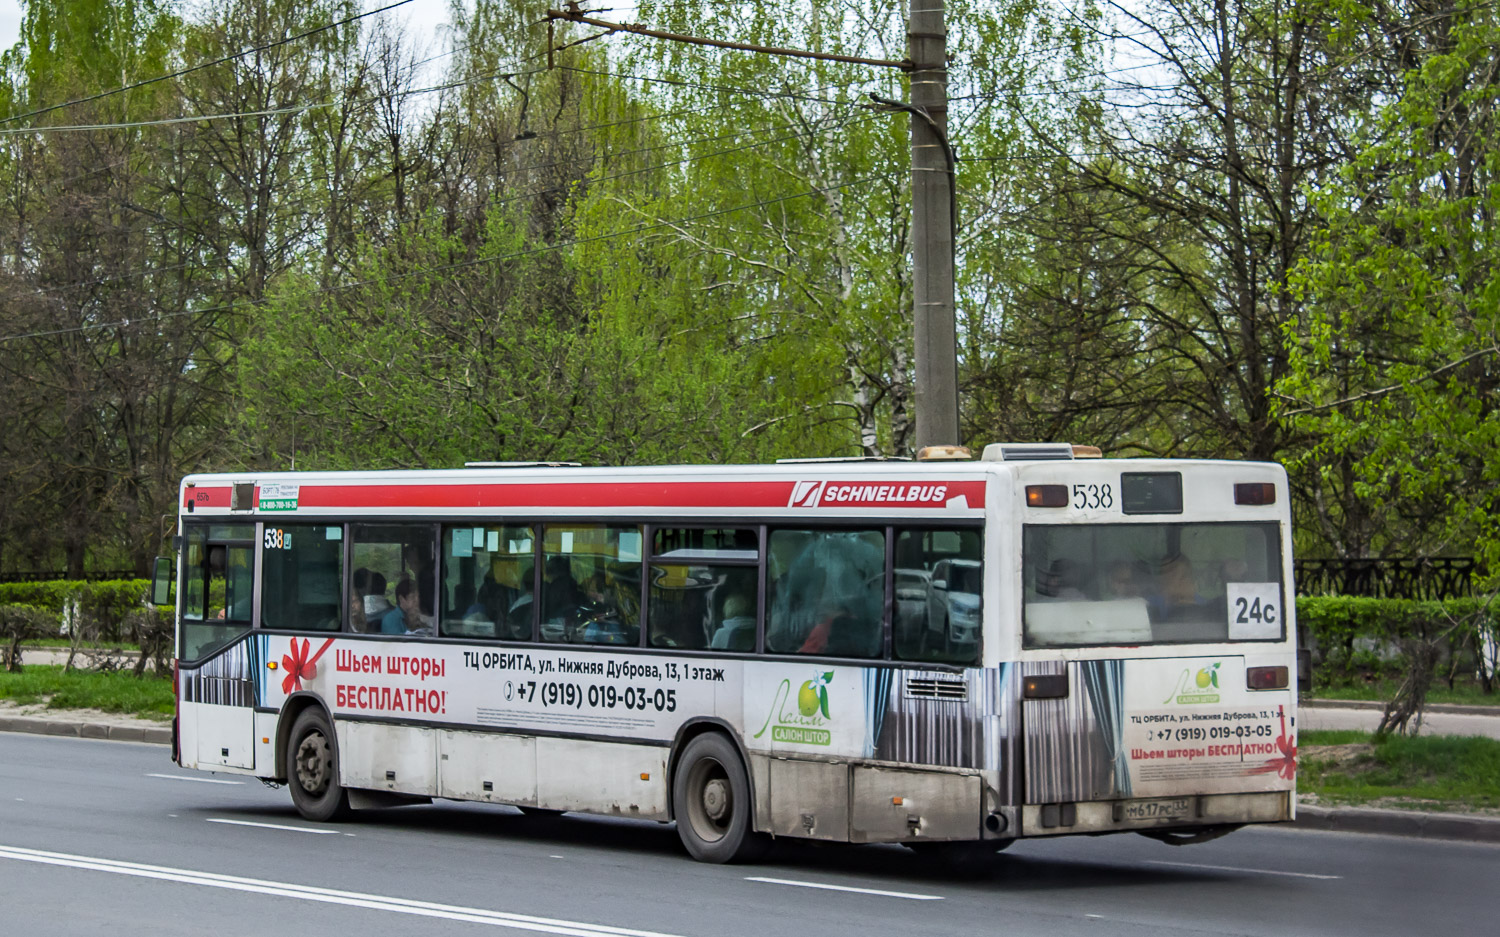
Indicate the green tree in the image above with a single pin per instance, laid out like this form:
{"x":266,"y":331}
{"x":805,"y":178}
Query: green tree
{"x":1394,"y":366}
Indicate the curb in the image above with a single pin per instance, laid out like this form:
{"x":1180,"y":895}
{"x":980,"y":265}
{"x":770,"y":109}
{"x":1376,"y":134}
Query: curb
{"x":1451,"y":826}
{"x":1455,"y":709}
{"x":156,"y":735}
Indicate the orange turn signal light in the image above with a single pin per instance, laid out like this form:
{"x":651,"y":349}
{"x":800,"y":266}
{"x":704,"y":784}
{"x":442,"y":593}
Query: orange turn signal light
{"x":1046,"y":496}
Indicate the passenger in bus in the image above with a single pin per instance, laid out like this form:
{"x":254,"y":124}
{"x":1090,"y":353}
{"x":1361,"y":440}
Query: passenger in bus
{"x":359,"y":620}
{"x":1062,"y":581}
{"x":737,"y":632}
{"x":407,"y":616}
{"x":1176,"y":596}
{"x":371,"y":597}
{"x":840,"y":633}
{"x":561,"y":595}
{"x":1125,"y":580}
{"x":417,"y":559}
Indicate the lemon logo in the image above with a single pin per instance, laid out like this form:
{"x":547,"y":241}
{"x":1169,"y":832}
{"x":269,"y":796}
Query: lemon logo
{"x":813,"y":697}
{"x":1202,"y":687}
{"x":800,"y":719}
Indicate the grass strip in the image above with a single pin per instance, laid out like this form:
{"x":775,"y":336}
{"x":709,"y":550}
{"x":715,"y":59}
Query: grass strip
{"x":1464,"y":694}
{"x":1437,"y":772}
{"x":149,"y":696}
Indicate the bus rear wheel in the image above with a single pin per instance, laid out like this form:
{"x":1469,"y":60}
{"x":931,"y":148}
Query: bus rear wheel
{"x":711,"y":800}
{"x":313,"y":768}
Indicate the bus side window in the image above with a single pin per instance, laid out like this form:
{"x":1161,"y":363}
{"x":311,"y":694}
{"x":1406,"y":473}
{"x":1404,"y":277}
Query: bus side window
{"x":703,"y":588}
{"x":487,"y":582}
{"x":830,"y":599}
{"x":401,"y":557}
{"x":939,"y":583}
{"x":591,"y":584}
{"x":302,"y":579}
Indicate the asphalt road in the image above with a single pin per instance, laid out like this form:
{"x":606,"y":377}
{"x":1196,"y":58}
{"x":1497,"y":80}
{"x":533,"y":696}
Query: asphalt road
{"x":111,"y":838}
{"x":1433,"y":723}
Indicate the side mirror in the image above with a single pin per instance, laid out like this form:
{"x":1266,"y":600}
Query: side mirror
{"x":161,"y":581}
{"x":941,"y":584}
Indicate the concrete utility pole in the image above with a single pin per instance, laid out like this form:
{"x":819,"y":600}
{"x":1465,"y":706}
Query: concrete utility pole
{"x":934,"y":332}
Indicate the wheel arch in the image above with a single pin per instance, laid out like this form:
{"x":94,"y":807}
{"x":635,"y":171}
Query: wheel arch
{"x":703,"y":725}
{"x":296,"y":705}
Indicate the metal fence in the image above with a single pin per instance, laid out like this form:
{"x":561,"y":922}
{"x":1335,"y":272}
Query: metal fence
{"x":1436,"y":577}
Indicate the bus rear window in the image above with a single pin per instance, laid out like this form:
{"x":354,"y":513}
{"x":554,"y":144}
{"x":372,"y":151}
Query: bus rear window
{"x":1134,"y":584}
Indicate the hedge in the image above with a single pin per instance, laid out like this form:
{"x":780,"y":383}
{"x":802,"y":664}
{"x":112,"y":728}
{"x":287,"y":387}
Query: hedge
{"x":1353,"y":636}
{"x":104,"y":605}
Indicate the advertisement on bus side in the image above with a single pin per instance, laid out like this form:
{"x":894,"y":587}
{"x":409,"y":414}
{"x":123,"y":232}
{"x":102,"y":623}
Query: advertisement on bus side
{"x":563,"y":691}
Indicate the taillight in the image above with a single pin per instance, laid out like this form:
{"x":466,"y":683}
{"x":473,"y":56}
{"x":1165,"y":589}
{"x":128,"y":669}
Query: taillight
{"x":1045,"y":686}
{"x":1046,"y":496}
{"x":1259,"y":493}
{"x":174,"y":680}
{"x":1266,"y":678}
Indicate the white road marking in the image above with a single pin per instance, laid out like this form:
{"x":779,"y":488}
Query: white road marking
{"x":275,"y":826}
{"x":183,"y":777}
{"x":326,"y":895}
{"x":1233,"y":868}
{"x":861,"y":891}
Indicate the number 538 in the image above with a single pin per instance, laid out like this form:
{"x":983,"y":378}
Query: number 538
{"x":1093,"y":496}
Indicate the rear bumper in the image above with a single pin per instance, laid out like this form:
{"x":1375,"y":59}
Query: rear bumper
{"x":1107,"y":816}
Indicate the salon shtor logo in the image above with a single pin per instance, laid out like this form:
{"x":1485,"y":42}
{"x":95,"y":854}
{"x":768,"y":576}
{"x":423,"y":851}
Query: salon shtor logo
{"x":800,"y":718}
{"x":1202,"y":687}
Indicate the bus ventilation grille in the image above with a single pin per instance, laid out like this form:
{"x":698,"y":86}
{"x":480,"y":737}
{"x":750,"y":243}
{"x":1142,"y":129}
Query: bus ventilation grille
{"x":937,"y":689}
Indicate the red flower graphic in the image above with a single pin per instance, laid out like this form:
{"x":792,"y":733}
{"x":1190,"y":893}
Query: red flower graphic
{"x":1286,"y":764}
{"x":299,"y":666}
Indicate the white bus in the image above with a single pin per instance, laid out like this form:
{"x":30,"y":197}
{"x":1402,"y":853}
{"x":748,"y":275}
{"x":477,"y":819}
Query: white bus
{"x":1038,"y":642}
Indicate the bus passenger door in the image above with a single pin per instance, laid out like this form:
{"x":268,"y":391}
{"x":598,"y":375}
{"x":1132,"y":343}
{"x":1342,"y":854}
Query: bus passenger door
{"x":218,"y":660}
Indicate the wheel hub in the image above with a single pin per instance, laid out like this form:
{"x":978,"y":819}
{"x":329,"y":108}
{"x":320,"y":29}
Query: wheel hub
{"x":716,"y":799}
{"x":313,"y":763}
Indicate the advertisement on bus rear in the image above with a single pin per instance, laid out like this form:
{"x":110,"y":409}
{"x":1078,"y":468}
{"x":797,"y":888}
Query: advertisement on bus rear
{"x":1192,"y":725}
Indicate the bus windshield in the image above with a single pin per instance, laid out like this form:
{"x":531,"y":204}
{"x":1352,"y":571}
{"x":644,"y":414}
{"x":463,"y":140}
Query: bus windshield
{"x":1134,"y":584}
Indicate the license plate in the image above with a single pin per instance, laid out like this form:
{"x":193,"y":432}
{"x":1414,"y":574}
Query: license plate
{"x":1167,"y":808}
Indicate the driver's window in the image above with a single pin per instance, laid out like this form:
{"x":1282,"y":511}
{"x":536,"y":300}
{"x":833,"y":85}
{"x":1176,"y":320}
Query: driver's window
{"x":218,"y":575}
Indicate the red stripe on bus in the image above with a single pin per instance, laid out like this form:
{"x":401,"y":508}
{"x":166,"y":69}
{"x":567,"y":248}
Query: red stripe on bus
{"x":776,"y":494}
{"x":206,"y":497}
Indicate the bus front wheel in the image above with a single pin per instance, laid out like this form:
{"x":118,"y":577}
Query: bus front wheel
{"x":711,"y":800}
{"x":313,"y":768}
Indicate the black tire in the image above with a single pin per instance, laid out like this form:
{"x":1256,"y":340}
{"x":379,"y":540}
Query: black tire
{"x":312,"y":768}
{"x":711,"y":801}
